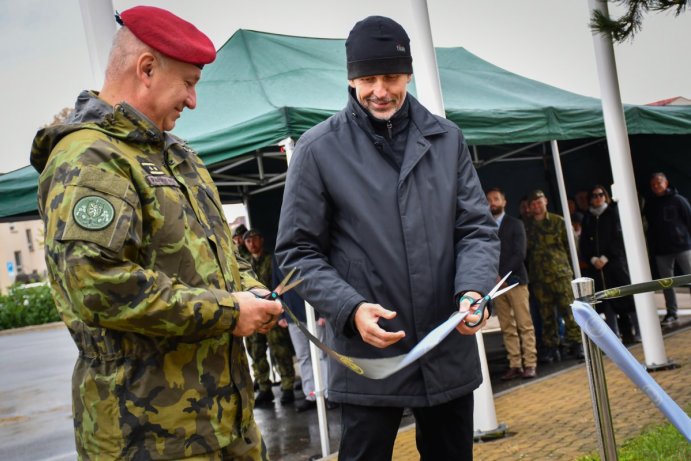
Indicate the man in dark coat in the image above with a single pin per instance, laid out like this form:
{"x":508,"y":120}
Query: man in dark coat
{"x":385,"y":218}
{"x":513,"y":309}
{"x":669,"y":235}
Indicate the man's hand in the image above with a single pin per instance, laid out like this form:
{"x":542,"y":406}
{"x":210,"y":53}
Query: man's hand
{"x":465,"y":305}
{"x":366,"y":318}
{"x":256,"y":314}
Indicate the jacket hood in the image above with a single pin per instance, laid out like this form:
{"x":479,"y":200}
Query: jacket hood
{"x":91,"y":112}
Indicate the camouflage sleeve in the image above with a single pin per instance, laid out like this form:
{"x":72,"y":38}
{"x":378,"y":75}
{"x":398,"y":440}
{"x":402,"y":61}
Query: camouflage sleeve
{"x":248,"y":278}
{"x":94,"y":237}
{"x":114,"y":293}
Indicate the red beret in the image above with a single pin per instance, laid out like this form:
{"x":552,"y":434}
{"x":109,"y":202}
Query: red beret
{"x":169,"y":34}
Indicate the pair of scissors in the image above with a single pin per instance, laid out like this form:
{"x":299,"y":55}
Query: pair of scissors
{"x":282,"y":288}
{"x":481,"y":304}
{"x":285,"y":286}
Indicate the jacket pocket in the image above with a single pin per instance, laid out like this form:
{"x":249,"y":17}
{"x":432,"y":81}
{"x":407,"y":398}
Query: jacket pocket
{"x":100,"y":207}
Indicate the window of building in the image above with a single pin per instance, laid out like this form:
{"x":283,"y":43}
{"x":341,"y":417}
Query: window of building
{"x":18,"y":262}
{"x":30,"y":240}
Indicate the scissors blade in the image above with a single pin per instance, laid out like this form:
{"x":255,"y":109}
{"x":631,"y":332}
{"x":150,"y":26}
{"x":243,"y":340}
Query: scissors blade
{"x":503,"y":290}
{"x":290,"y":286}
{"x":491,"y":294}
{"x":281,"y":286}
{"x":284,"y":286}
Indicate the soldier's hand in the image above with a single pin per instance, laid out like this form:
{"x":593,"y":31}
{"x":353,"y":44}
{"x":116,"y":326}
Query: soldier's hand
{"x":256,"y":314}
{"x":366,"y":318}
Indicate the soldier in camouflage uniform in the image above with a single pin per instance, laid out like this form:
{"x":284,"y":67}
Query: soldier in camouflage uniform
{"x":141,"y":262}
{"x":238,"y":238}
{"x":550,"y":276}
{"x":278,"y":339}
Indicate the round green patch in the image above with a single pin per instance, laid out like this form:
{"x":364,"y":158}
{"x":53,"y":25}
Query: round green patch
{"x":93,"y":212}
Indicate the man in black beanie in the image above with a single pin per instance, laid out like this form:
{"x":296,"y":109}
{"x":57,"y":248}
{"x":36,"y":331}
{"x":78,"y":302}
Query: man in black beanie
{"x":385,"y":218}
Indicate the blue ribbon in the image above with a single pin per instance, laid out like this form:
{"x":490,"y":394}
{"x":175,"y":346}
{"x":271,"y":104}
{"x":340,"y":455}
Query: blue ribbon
{"x":598,"y":331}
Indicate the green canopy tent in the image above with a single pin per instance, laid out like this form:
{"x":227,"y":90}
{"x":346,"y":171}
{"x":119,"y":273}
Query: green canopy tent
{"x":264,"y":88}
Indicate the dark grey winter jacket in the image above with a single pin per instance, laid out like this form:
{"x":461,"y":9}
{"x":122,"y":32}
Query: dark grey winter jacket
{"x":360,"y":230}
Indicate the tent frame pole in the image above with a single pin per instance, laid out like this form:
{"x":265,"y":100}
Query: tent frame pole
{"x":429,"y":93}
{"x":319,"y":385}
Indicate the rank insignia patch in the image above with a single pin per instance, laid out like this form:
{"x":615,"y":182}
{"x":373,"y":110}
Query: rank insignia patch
{"x":151,"y":168}
{"x":93,"y":212}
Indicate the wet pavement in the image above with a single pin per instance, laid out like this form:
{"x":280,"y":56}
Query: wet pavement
{"x":35,"y":409}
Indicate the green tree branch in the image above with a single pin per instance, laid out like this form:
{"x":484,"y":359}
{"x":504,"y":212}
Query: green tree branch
{"x":630,"y":23}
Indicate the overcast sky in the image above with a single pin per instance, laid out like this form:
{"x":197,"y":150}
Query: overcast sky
{"x":44,"y":61}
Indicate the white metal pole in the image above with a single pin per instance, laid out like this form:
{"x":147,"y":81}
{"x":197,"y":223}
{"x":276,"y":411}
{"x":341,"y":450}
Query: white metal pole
{"x":428,"y":87}
{"x":319,"y":385}
{"x":99,"y":27}
{"x":485,"y":423}
{"x":565,"y":207}
{"x":629,"y":211}
{"x":427,"y":82}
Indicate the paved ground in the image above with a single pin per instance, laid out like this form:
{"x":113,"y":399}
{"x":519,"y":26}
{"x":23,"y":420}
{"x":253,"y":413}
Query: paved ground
{"x":552,"y":418}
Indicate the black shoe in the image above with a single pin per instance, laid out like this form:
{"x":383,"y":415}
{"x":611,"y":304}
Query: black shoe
{"x":305,"y":405}
{"x":287,"y":397}
{"x":630,"y":340}
{"x":264,"y":397}
{"x":577,"y":351}
{"x":332,"y":405}
{"x":669,"y":319}
{"x":550,"y":355}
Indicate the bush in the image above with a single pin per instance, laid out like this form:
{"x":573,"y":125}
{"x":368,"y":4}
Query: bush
{"x":26,"y":305}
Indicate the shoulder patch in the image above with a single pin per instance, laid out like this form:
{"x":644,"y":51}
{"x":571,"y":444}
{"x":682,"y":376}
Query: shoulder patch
{"x":93,"y":212}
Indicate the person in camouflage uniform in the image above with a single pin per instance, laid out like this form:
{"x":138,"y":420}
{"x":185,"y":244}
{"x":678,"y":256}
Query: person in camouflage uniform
{"x":277,"y":339}
{"x":238,"y":238}
{"x":550,"y":273}
{"x":141,"y":263}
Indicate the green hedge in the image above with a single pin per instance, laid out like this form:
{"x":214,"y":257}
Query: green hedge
{"x":25,"y":305}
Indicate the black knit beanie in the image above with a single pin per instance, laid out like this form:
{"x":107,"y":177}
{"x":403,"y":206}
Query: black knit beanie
{"x":378,"y":46}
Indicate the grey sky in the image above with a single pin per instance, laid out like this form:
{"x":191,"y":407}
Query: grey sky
{"x":44,"y":60}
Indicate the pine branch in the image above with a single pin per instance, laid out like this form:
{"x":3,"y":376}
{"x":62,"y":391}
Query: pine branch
{"x":630,"y":23}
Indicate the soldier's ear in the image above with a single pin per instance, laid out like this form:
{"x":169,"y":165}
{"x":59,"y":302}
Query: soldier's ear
{"x":145,"y":68}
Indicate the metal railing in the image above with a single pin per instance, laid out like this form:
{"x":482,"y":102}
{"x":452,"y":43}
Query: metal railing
{"x":598,"y":337}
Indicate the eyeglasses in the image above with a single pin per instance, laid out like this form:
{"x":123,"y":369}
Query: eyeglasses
{"x":597,"y":194}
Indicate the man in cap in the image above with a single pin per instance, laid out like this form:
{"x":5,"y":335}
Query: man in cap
{"x":239,"y":239}
{"x":385,"y":218}
{"x":549,"y":269}
{"x":141,"y":263}
{"x":277,"y":340}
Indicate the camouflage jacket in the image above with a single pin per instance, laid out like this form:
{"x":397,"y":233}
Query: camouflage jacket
{"x":548,"y":249}
{"x":262,"y":266}
{"x":142,"y":269}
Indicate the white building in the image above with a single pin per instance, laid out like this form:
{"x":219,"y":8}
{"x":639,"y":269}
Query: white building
{"x":21,"y":251}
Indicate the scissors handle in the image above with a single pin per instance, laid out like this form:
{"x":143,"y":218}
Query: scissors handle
{"x":481,"y":304}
